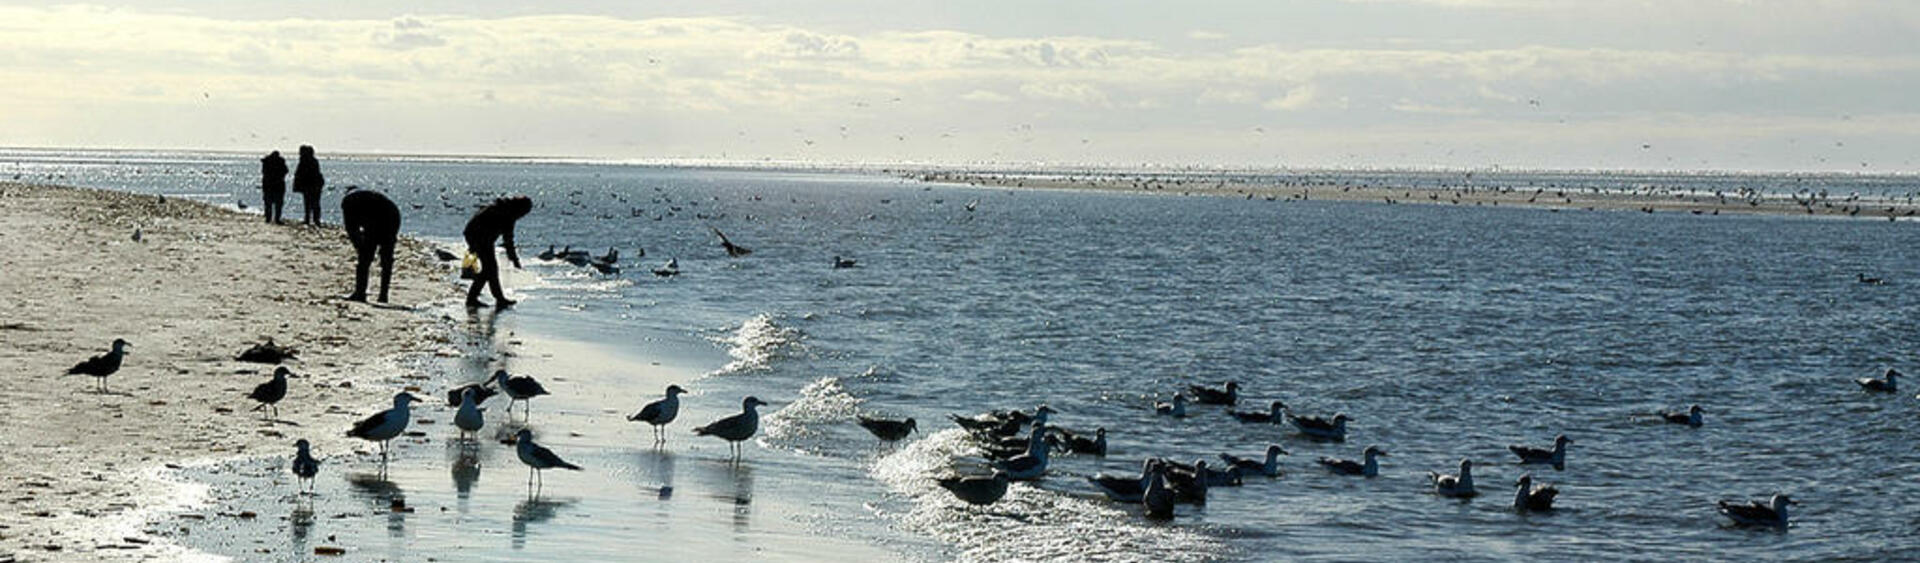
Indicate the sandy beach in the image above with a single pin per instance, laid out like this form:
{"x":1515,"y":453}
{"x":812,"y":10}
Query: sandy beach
{"x":1647,"y":199}
{"x":201,"y":285}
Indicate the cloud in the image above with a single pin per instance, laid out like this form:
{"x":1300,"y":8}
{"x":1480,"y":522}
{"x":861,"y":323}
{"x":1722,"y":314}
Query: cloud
{"x":1205,"y":35}
{"x":985,"y":96}
{"x":1295,"y":99}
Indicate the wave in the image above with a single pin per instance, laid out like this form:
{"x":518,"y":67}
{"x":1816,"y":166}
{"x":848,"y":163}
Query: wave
{"x":799,"y":425}
{"x":756,"y":344}
{"x":1031,"y":523}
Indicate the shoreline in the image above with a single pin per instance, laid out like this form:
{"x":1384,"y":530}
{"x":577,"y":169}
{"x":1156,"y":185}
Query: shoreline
{"x":201,"y":285}
{"x":1552,"y":198}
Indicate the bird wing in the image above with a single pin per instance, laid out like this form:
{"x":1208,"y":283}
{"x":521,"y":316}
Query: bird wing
{"x":548,"y":458}
{"x":92,"y":366}
{"x":718,"y":425}
{"x":647,"y":413}
{"x":360,"y":429}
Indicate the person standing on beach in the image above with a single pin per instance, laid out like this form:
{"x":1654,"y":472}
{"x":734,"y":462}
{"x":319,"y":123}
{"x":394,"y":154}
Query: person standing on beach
{"x":495,"y":221}
{"x":373,"y":224}
{"x":308,"y":182}
{"x":273,"y":185}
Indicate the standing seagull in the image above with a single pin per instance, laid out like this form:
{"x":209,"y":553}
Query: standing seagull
{"x":1689,"y":418}
{"x":270,"y":393}
{"x":102,"y":365}
{"x":471,"y":417}
{"x":385,"y":425}
{"x":1527,"y":498}
{"x":304,"y":465}
{"x":888,"y":430}
{"x":1457,"y":486}
{"x":977,"y":491}
{"x":737,"y":428}
{"x":538,"y":458}
{"x":520,"y":388}
{"x":1556,"y":457}
{"x":1884,"y":384}
{"x":1755,"y":514}
{"x":661,"y":412}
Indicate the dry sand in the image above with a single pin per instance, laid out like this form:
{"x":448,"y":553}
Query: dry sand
{"x":1645,"y":200}
{"x":81,"y":469}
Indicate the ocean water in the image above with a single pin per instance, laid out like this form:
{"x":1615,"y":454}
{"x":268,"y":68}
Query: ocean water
{"x":1447,"y":333}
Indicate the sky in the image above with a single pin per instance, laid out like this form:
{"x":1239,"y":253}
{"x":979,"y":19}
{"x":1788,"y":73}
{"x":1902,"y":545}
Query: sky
{"x":1810,"y":85}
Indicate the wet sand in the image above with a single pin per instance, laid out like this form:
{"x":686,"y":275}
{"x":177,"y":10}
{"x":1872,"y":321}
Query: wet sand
{"x":1651,"y":199}
{"x":84,"y":470}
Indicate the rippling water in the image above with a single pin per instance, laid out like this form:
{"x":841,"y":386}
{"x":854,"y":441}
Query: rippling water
{"x":1446,"y":332}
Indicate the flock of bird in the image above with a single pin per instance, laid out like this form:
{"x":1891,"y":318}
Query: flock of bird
{"x":469,"y":416}
{"x":1019,"y":444}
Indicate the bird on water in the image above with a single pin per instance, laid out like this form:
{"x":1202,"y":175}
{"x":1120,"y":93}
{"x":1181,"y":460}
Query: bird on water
{"x":659,"y":413}
{"x":737,"y":428}
{"x":385,"y":425}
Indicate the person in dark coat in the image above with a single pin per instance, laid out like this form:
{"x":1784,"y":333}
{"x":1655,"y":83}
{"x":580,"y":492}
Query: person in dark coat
{"x":273,"y":185}
{"x":495,"y":221}
{"x":308,"y":182}
{"x":373,"y":224}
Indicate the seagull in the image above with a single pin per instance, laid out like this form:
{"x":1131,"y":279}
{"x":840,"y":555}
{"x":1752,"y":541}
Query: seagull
{"x":304,"y":465}
{"x":270,"y":393}
{"x":1556,"y":457}
{"x":520,"y":388}
{"x":612,"y":256}
{"x":549,"y":254}
{"x":1030,"y":465}
{"x":1689,"y":418}
{"x":603,"y":268}
{"x":1755,"y":514}
{"x":737,"y":428}
{"x":1869,"y":281}
{"x":1457,"y":486}
{"x":1214,"y":477}
{"x":1274,"y":415}
{"x":1187,"y":486}
{"x":1527,"y":498}
{"x":1001,"y":449}
{"x":977,"y":491}
{"x":1176,"y":409}
{"x":1126,"y":488}
{"x":672,"y":268}
{"x":385,"y":425}
{"x":1244,"y":466}
{"x":481,"y":392}
{"x":842,"y":263}
{"x":888,"y":430}
{"x":1317,"y":427}
{"x":1350,"y":467}
{"x":1229,"y":395}
{"x":661,"y":412}
{"x":1002,"y":423}
{"x":1884,"y":384}
{"x":733,"y":250}
{"x":1157,"y":498}
{"x":538,"y":458}
{"x":102,"y":365}
{"x":1080,"y":444}
{"x":470,"y":418}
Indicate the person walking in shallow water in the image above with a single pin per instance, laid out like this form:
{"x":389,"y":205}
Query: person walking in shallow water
{"x":373,"y":224}
{"x":495,"y":221}
{"x":273,"y":185}
{"x":308,"y":182}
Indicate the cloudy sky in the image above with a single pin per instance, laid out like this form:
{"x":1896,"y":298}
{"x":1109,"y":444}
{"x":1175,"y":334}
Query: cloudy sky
{"x":1663,"y":84}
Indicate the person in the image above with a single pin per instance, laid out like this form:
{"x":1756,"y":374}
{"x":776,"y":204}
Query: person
{"x":273,"y":185}
{"x":308,"y":182}
{"x":373,"y":224}
{"x":495,"y":221}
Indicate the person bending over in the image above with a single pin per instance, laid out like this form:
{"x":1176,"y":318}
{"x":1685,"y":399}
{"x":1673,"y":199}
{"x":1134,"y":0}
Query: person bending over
{"x":373,"y":224}
{"x":308,"y":182}
{"x":273,"y":185}
{"x":495,"y":221}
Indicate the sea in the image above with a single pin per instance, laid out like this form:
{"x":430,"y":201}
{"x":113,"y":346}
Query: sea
{"x":1445,"y":332}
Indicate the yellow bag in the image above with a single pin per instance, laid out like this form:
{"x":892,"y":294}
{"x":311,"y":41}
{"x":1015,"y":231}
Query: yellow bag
{"x":471,"y":263}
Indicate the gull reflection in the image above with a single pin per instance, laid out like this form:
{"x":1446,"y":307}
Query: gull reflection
{"x":385,"y":496}
{"x":531,"y":511}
